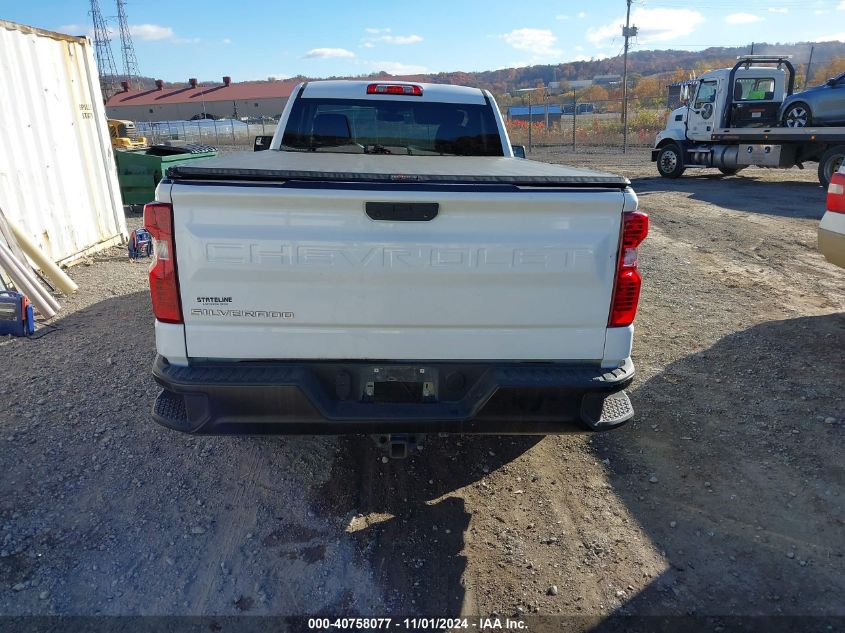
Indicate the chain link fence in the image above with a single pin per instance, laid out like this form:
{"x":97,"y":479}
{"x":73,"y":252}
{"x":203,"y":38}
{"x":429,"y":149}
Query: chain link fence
{"x":567,"y":124}
{"x":220,"y":133}
{"x":575,"y":125}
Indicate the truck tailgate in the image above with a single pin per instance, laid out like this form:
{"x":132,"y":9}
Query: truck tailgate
{"x":279,"y":272}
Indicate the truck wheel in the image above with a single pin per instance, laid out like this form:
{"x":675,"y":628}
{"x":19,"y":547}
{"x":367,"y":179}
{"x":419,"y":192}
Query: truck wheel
{"x":830,"y":163}
{"x":731,"y":172}
{"x":798,"y":115}
{"x":670,"y":161}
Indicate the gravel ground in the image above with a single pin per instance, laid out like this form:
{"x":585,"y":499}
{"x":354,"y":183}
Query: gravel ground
{"x":724,"y":496}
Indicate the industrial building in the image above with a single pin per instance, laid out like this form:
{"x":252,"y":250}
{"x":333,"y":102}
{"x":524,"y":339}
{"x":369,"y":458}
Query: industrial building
{"x":549,"y":113}
{"x":247,"y":99}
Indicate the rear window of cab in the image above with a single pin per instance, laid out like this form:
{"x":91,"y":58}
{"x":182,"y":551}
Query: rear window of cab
{"x":387,"y":126}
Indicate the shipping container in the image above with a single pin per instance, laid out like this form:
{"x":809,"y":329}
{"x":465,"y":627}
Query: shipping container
{"x":58,"y":180}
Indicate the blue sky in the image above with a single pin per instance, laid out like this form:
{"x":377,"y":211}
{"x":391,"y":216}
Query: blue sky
{"x":176,"y":39}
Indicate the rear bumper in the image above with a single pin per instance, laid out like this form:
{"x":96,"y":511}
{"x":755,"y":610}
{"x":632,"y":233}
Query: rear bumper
{"x":832,"y":242}
{"x":338,"y":397}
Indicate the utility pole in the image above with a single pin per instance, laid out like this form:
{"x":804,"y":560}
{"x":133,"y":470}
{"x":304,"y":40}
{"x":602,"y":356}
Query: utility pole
{"x":102,"y":47}
{"x":628,"y":32}
{"x":530,"y":122}
{"x":530,"y":113}
{"x":809,"y":65}
{"x":130,"y":62}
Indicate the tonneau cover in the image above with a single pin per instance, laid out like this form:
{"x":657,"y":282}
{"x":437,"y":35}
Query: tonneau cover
{"x":277,"y":165}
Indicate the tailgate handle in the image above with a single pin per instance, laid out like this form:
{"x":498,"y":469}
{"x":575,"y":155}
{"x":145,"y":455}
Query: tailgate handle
{"x":402,"y":211}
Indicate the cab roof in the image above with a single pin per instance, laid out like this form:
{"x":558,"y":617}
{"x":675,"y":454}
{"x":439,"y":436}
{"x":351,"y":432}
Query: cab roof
{"x":347,"y":89}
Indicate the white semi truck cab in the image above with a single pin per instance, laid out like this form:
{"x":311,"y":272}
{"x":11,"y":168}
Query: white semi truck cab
{"x":733,"y":120}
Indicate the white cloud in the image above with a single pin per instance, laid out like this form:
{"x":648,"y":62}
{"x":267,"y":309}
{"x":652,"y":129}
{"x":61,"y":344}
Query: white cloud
{"x":582,"y":15}
{"x":151,"y":32}
{"x":399,"y":39}
{"x":226,"y":40}
{"x":325,"y":53}
{"x":398,"y":68}
{"x":591,"y":58}
{"x":778,"y":10}
{"x":841,"y":5}
{"x":742,"y":18}
{"x":540,"y":42}
{"x":561,"y":17}
{"x":368,"y":45}
{"x":72,"y":29}
{"x":655,"y":25}
{"x":831,"y":37}
{"x":376,"y":31}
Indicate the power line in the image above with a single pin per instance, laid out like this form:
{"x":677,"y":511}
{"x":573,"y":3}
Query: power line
{"x":130,"y":61}
{"x":102,"y":47}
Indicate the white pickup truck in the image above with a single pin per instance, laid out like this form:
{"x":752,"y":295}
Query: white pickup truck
{"x":389,"y":267}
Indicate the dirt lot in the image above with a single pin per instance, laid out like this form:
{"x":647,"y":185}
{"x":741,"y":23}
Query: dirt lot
{"x":725,"y":496}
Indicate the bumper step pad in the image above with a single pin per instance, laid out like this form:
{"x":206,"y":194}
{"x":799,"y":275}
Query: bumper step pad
{"x":171,"y":407}
{"x":600,"y":411}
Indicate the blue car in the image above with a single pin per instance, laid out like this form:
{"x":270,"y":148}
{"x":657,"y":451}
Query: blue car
{"x":821,"y":105}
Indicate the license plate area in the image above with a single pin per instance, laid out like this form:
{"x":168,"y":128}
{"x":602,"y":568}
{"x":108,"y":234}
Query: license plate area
{"x":400,"y":384}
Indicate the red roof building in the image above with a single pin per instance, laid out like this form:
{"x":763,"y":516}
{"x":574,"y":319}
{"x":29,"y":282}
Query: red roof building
{"x":229,"y":100}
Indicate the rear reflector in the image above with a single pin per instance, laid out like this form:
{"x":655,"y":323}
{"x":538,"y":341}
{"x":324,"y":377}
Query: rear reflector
{"x":836,"y":193}
{"x":395,"y":89}
{"x":626,"y":288}
{"x":635,"y":229}
{"x":164,"y":281}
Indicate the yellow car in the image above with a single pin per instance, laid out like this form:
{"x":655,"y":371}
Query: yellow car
{"x":832,"y":226}
{"x":124,"y":135}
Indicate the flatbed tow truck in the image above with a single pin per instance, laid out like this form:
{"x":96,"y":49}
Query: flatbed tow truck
{"x":734,"y":122}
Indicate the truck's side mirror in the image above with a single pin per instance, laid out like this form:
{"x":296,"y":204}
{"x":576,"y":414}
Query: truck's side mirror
{"x":518,"y":151}
{"x":262,"y":143}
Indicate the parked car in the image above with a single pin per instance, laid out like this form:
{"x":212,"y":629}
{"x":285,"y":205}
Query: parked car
{"x":821,"y":105}
{"x":832,"y":226}
{"x":581,"y":108}
{"x":389,"y":266}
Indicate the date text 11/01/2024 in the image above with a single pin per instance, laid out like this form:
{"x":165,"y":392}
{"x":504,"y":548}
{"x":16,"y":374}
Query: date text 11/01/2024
{"x":480,"y":624}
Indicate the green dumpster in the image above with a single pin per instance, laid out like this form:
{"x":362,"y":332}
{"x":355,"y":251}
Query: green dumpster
{"x":139,"y":171}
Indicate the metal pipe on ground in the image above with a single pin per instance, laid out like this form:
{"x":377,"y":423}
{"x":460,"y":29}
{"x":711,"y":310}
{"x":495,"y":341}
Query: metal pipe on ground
{"x":22,"y":272}
{"x":56,"y":274}
{"x":6,"y":233}
{"x":24,"y":282}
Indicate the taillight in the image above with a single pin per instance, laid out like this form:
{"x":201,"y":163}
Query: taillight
{"x":164,"y":281}
{"x":395,"y":89}
{"x":836,"y":193}
{"x":626,"y":288}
